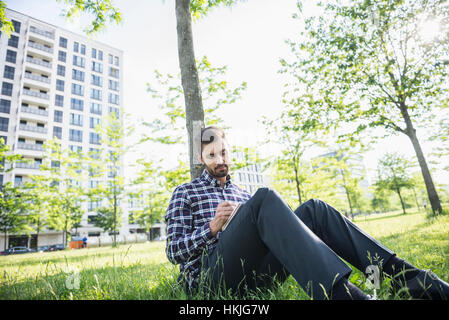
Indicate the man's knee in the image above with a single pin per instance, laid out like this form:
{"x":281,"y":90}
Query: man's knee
{"x":312,"y":206}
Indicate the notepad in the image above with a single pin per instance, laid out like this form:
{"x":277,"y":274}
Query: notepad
{"x":234,"y":212}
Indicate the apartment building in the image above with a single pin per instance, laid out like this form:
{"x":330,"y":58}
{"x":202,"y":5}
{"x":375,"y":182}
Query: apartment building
{"x":55,"y":83}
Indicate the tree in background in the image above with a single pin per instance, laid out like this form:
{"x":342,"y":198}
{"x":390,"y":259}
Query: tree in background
{"x":377,"y":67}
{"x":105,"y":164}
{"x":151,"y":195}
{"x":167,"y":92}
{"x":14,"y":216}
{"x":60,"y":185}
{"x":393,"y":174}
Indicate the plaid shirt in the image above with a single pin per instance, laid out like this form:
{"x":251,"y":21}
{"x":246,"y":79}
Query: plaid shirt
{"x":191,"y":207}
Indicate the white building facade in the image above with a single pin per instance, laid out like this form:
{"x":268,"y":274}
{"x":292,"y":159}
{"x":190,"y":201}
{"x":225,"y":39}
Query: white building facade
{"x":55,"y":83}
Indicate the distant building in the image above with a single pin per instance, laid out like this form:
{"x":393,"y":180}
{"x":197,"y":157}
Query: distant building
{"x":55,"y":83}
{"x":249,"y":178}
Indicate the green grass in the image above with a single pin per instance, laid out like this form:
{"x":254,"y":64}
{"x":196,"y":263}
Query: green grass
{"x":141,"y":271}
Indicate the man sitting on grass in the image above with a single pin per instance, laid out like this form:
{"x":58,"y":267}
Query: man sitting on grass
{"x":266,"y":240}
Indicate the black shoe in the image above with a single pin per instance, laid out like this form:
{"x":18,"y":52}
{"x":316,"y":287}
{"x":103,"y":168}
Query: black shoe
{"x":426,"y":285}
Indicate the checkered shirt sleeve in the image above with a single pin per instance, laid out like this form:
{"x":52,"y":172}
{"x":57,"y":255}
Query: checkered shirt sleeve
{"x":183,"y":241}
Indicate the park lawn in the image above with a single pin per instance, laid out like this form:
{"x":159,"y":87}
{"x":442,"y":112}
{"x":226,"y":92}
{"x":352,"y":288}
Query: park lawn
{"x":142,"y":271}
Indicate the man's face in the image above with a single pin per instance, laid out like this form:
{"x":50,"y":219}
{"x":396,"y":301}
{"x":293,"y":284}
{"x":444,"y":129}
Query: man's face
{"x":216,"y":157}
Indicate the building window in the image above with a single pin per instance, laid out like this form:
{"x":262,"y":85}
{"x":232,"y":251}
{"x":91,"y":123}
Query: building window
{"x":76,"y":149}
{"x":83,"y":49}
{"x":114,"y":110}
{"x":9,"y":72}
{"x":113,"y":72}
{"x":94,"y":138}
{"x":76,"y":119}
{"x":116,"y":61}
{"x":111,"y":57}
{"x":94,"y":122}
{"x":62,"y":42}
{"x":7,"y":89}
{"x":97,"y":80}
{"x":16,"y":25}
{"x":57,"y":132}
{"x":77,"y":75}
{"x":95,"y":108}
{"x":61,"y":70}
{"x":94,"y":53}
{"x":100,"y":55}
{"x":59,"y":100}
{"x":77,"y":104}
{"x":11,"y":56}
{"x":17,"y":181}
{"x":75,"y":135}
{"x":62,"y":56}
{"x":95,"y":94}
{"x":4,"y":124}
{"x":113,"y":85}
{"x":5,"y":106}
{"x":113,"y":98}
{"x":60,"y":85}
{"x":97,"y":67}
{"x":79,"y":61}
{"x":77,"y":89}
{"x":94,"y":153}
{"x":13,"y":41}
{"x":76,"y":46}
{"x":58,"y":116}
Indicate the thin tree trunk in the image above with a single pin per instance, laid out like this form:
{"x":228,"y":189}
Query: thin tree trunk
{"x":6,"y":239}
{"x":416,"y":199}
{"x":347,"y":193}
{"x":298,"y":190}
{"x":190,"y":81}
{"x":431,"y":191}
{"x":402,"y":201}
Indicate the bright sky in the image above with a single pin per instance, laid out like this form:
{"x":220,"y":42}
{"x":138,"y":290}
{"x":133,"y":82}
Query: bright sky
{"x":248,"y":38}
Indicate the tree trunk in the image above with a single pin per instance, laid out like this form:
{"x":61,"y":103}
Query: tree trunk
{"x":431,"y":191}
{"x":190,"y":81}
{"x":298,"y":190}
{"x":38,"y":231}
{"x":347,"y":193}
{"x":402,"y":201}
{"x":6,"y":239}
{"x":416,"y":199}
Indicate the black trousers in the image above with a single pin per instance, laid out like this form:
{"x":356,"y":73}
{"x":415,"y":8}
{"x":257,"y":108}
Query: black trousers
{"x":267,"y":241}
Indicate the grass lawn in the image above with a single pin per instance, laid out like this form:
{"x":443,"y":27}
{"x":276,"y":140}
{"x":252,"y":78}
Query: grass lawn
{"x":141,"y":271}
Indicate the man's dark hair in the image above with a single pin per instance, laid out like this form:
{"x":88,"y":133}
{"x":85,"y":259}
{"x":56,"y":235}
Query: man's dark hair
{"x":209,"y":134}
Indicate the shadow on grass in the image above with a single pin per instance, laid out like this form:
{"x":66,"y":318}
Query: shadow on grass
{"x":384,"y":217}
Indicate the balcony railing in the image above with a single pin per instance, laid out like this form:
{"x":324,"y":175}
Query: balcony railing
{"x":40,"y":47}
{"x":36,"y":77}
{"x":34,"y":111}
{"x":36,"y":94}
{"x":33,"y":128}
{"x":39,"y":62}
{"x":47,"y":34}
{"x":30,"y":146}
{"x":24,"y":165}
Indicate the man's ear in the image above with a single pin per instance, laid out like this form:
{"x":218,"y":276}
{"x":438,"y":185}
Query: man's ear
{"x":198,"y":156}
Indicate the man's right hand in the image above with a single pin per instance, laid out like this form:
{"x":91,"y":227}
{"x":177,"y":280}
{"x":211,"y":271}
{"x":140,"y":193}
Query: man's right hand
{"x":224,"y":210}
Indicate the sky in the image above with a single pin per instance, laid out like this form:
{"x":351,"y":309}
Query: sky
{"x":248,"y":38}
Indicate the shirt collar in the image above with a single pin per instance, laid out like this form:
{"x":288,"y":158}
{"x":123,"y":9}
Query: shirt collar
{"x":205,"y":176}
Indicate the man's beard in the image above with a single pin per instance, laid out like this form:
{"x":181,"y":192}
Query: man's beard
{"x":219,"y":171}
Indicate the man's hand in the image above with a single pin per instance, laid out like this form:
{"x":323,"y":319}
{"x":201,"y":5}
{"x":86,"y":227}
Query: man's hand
{"x":224,"y":210}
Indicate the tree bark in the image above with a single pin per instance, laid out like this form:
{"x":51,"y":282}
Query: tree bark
{"x":190,"y":79}
{"x":410,"y":131}
{"x":402,"y":201}
{"x":298,"y":190}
